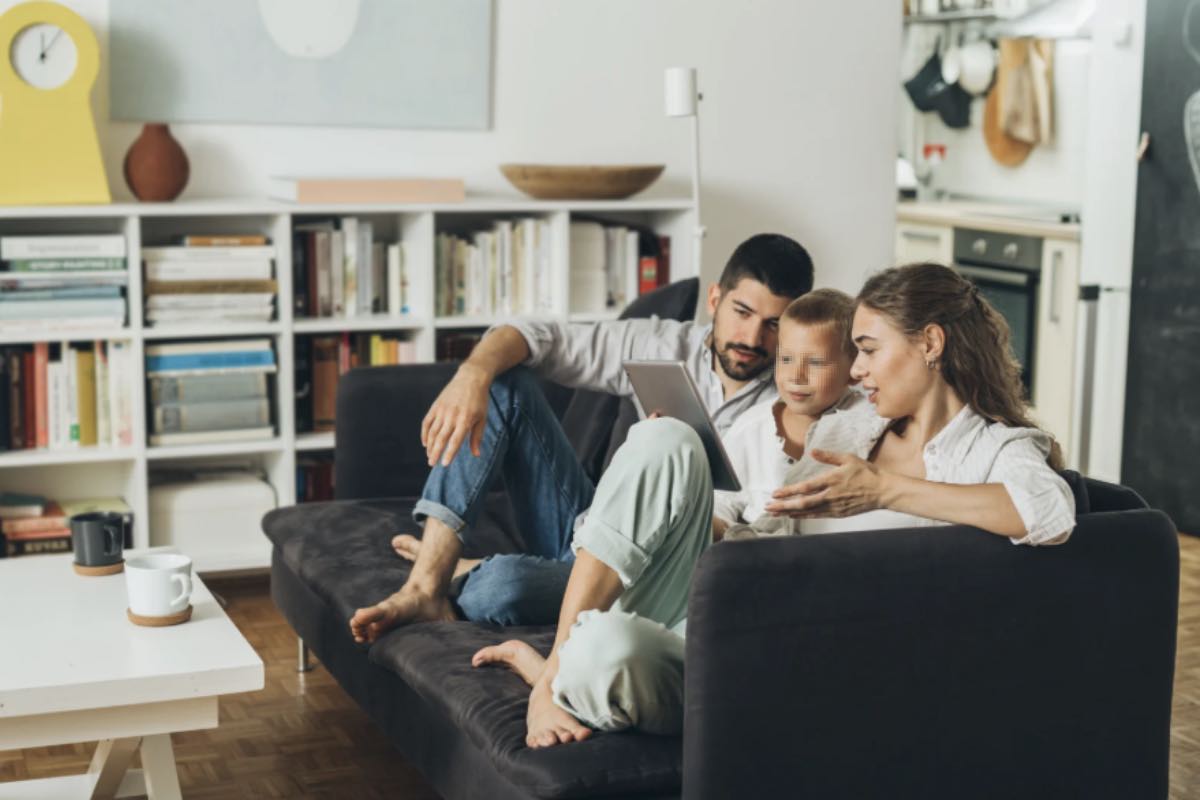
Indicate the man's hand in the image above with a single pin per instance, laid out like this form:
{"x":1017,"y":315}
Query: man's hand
{"x":459,"y":411}
{"x":854,"y":487}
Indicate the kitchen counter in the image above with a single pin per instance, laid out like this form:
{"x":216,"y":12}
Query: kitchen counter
{"x":1000,"y":217}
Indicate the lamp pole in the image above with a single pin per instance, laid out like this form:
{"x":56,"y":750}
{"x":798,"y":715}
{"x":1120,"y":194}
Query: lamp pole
{"x":683,"y":100}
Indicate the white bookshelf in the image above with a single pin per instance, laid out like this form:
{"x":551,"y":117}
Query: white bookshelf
{"x":96,"y":471}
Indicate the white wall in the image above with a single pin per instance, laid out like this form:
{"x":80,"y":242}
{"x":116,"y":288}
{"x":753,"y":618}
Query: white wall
{"x":797,"y":130}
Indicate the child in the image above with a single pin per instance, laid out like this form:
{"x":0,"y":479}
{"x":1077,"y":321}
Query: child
{"x":769,"y":444}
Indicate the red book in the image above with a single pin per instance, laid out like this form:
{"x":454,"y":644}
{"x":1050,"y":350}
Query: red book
{"x":48,"y":533}
{"x":29,"y":403}
{"x":52,"y":518}
{"x":345,"y":354}
{"x":647,"y":274}
{"x":41,"y":358}
{"x":664,"y":260}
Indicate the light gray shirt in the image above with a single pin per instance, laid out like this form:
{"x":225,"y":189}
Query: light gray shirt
{"x":589,"y":356}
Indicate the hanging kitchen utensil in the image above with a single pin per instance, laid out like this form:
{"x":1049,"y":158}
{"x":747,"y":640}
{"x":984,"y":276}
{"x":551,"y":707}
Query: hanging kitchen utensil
{"x":1005,"y":149}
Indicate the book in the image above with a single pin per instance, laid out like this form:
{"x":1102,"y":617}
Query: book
{"x":397,"y":282}
{"x":52,"y":516}
{"x":207,"y":437}
{"x":210,"y":360}
{"x":208,"y":346}
{"x":72,"y":307}
{"x":41,"y":392}
{"x":104,"y":435}
{"x":207,"y":255}
{"x":324,"y":379}
{"x":211,"y":287}
{"x":337,"y":273}
{"x":76,"y":292}
{"x":223,"y":415}
{"x":16,"y":399}
{"x":64,"y":264}
{"x":378,"y":288}
{"x":120,"y":395}
{"x":155,"y":316}
{"x":302,"y":387}
{"x":58,"y":530}
{"x":366,"y":190}
{"x":299,"y":273}
{"x":19,"y":547}
{"x":208,"y":388}
{"x":224,"y":240}
{"x":18,"y":248}
{"x":346,"y":288}
{"x":29,"y":400}
{"x":216,"y":300}
{"x":24,"y":281}
{"x":14,"y":505}
{"x":5,"y":406}
{"x":208,"y":270}
{"x":85,"y":382}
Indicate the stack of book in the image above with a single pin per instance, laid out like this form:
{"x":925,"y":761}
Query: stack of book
{"x":62,"y":281}
{"x":456,"y":345}
{"x":34,"y":524}
{"x":210,"y":279}
{"x":65,"y":396}
{"x":210,"y":391}
{"x":322,"y":360}
{"x":611,"y":264}
{"x":505,"y":270}
{"x":340,"y":270}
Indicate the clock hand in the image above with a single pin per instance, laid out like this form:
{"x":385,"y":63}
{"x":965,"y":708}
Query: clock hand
{"x":46,"y":49}
{"x":42,"y":39}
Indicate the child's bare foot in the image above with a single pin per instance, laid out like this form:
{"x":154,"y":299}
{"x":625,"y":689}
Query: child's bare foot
{"x":408,"y":547}
{"x":405,"y":606}
{"x":547,"y":724}
{"x":518,"y":656}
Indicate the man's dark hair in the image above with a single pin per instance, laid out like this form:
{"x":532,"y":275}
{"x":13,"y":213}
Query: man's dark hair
{"x":778,"y":262}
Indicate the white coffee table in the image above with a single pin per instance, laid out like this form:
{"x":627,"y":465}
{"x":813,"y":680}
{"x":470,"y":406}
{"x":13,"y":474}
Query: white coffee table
{"x":74,"y":669}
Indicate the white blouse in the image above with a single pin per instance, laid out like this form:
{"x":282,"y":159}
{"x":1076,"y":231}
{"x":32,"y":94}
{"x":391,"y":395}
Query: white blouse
{"x":969,"y":450}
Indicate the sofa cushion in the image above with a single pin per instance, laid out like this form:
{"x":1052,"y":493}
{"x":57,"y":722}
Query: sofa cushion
{"x":489,"y":705}
{"x":342,"y":549}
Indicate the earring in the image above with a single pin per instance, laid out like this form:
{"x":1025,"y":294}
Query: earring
{"x":931,"y":364}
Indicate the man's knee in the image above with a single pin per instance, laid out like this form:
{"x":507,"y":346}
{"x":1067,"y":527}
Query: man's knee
{"x":514,"y":590}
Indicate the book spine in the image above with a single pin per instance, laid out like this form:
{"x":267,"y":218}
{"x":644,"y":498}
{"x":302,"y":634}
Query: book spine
{"x":378,"y":288}
{"x":337,"y":273}
{"x":207,"y":388}
{"x":54,"y":409}
{"x":299,"y":274}
{"x":28,"y":547}
{"x":65,"y":264}
{"x":664,"y":260}
{"x":20,"y":248}
{"x":647,"y":274}
{"x":6,"y":408}
{"x":325,"y":378}
{"x":85,"y":374}
{"x":71,"y":399}
{"x":211,"y":287}
{"x":57,"y":309}
{"x":29,"y":400}
{"x":225,"y":240}
{"x":351,"y":265}
{"x":395,"y":295}
{"x":193,"y":418}
{"x":49,"y":522}
{"x":260,"y":358}
{"x":208,"y":254}
{"x":16,"y":400}
{"x":324,"y":276}
{"x":205,"y":271}
{"x":103,"y":409}
{"x":303,"y":384}
{"x":41,"y":392}
{"x":120,"y":395}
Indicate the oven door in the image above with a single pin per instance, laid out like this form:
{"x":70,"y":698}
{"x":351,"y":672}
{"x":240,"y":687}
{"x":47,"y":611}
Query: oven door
{"x":1013,"y":292}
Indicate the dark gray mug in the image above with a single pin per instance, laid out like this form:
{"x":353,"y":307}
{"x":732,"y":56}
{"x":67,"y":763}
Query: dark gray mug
{"x":98,"y":538}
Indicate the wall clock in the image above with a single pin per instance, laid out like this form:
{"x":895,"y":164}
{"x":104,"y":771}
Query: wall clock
{"x":49,"y":151}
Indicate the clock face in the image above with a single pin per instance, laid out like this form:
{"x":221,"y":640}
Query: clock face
{"x":44,"y":56}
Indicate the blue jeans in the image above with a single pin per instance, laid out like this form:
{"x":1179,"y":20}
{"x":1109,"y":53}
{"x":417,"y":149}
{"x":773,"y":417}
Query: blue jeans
{"x":524,"y":443}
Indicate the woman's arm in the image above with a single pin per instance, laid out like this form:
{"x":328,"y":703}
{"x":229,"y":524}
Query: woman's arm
{"x":856,"y":486}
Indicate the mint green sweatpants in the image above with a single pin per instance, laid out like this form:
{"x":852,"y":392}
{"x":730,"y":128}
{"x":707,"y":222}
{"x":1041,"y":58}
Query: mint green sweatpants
{"x":650,"y":519}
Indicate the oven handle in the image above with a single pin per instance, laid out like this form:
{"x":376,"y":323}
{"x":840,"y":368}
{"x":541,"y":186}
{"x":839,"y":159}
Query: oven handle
{"x":1022,"y":279}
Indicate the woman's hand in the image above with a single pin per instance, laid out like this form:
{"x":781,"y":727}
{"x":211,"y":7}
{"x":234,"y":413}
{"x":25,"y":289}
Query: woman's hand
{"x":854,"y":486}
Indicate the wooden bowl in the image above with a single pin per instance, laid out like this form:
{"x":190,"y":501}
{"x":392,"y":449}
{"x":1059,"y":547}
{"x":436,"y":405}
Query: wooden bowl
{"x":581,"y":182}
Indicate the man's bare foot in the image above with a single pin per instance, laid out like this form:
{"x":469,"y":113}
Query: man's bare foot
{"x":408,"y":547}
{"x":518,"y":656}
{"x":548,"y":724}
{"x":405,"y":606}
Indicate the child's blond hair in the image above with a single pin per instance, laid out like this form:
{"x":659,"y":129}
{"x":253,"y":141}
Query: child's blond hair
{"x":826,"y":307}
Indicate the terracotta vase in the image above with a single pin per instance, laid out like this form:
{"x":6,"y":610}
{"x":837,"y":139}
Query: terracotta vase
{"x":156,"y":168}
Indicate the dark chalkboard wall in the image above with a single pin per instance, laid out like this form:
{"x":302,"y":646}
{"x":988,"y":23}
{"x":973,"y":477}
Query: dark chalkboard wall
{"x":1162,"y":402}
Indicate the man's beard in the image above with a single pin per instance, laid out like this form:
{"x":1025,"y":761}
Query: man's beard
{"x":742,"y":370}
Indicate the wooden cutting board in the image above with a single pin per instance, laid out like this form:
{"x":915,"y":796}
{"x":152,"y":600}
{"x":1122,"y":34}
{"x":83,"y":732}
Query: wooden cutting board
{"x":1004,"y":149}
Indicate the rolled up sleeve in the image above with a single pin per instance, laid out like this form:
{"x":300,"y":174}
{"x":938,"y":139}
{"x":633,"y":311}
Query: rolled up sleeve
{"x":1041,"y":496}
{"x":590,"y":356}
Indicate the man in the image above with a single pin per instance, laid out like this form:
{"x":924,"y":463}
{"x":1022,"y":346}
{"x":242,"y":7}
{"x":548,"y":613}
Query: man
{"x":493,"y":419}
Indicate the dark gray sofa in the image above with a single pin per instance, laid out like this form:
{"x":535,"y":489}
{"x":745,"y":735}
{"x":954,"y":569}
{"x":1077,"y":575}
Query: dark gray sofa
{"x":919,"y":663}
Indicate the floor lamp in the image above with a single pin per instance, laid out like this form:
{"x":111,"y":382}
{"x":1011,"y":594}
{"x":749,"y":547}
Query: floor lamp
{"x":682,"y":100}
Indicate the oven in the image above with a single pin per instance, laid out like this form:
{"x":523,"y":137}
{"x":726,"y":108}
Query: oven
{"x":1007,"y":269}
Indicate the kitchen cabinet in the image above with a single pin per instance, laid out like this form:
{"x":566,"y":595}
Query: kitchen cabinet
{"x":1054,"y":387}
{"x":919,"y":242}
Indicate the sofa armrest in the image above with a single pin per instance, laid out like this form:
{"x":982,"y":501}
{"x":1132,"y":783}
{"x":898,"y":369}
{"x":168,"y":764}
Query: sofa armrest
{"x":940,"y":662}
{"x":379,"y":412}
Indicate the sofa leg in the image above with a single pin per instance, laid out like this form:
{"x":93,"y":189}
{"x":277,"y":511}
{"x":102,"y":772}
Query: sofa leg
{"x":303,"y":664}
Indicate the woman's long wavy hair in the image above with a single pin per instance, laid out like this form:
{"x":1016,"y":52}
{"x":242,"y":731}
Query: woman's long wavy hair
{"x":977,"y":361}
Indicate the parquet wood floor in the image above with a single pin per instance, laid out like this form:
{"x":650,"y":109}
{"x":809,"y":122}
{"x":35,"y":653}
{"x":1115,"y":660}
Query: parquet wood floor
{"x":303,"y":737}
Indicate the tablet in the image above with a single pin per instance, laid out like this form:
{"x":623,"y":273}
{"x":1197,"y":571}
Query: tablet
{"x":668,"y":388}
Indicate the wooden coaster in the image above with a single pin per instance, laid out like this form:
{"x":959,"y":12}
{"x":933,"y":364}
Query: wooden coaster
{"x":159,"y":622}
{"x":107,"y":569}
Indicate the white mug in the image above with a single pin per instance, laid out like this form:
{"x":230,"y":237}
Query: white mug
{"x":159,"y":584}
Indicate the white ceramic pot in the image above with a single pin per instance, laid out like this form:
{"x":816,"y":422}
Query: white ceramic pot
{"x":976,"y":66}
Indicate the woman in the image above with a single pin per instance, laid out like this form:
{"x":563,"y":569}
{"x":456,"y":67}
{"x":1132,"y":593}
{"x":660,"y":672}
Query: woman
{"x":960,"y":448}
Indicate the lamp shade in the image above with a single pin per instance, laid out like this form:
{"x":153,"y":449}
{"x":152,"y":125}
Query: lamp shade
{"x":681,"y":91}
